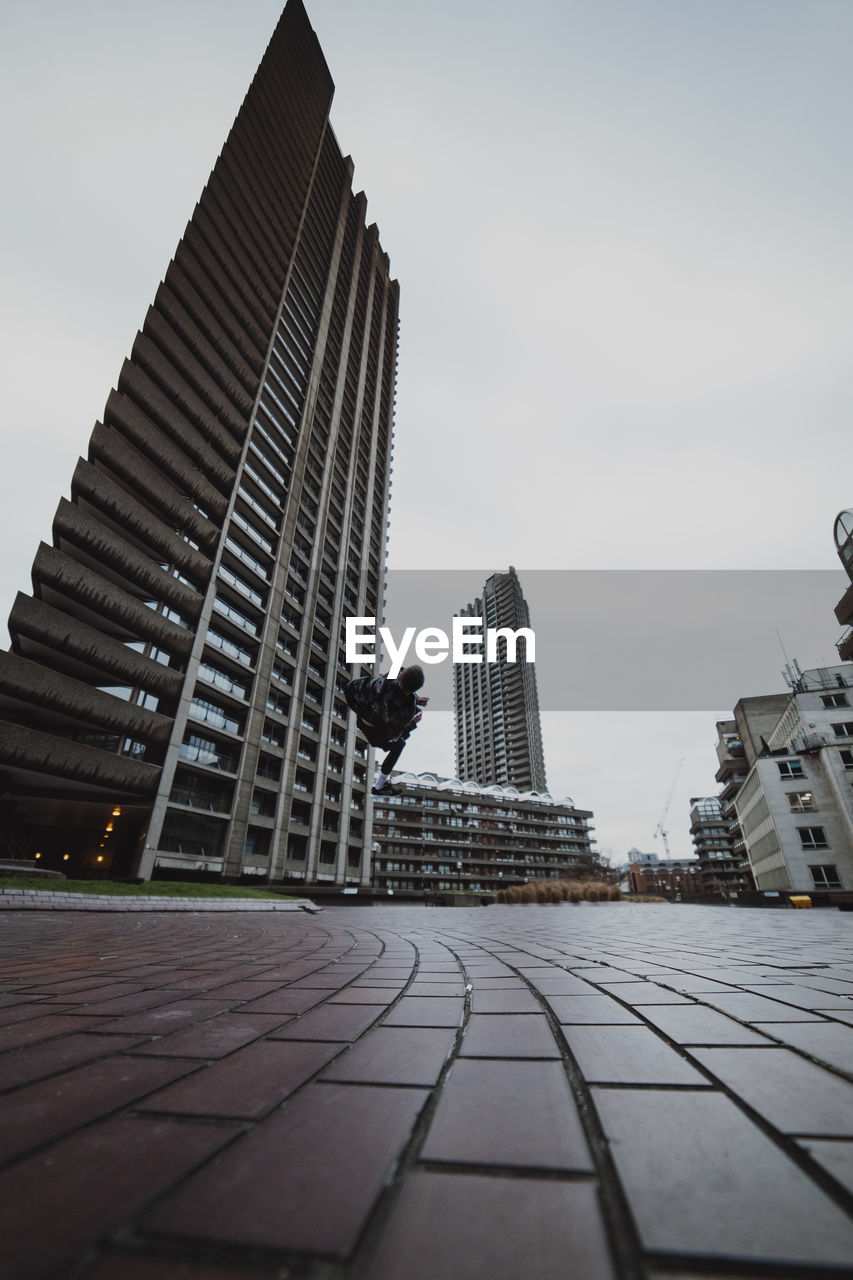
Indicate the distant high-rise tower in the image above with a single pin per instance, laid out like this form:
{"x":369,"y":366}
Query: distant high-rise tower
{"x":172,"y":695}
{"x":498,"y":733}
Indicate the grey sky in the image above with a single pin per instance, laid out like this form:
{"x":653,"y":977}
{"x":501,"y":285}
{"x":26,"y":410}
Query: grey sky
{"x":622,"y":233}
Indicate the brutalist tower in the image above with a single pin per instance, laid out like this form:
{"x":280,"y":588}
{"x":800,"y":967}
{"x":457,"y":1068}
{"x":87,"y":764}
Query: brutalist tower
{"x":496,"y":704}
{"x":172,"y":693}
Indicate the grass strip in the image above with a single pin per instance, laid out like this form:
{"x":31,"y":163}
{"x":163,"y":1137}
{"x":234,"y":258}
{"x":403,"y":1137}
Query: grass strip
{"x":148,"y":889}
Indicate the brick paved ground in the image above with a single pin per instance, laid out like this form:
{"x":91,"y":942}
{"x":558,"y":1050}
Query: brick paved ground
{"x":390,"y":1093}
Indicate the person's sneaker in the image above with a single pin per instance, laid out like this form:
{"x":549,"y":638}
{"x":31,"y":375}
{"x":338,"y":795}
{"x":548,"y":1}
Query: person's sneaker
{"x":387,"y":790}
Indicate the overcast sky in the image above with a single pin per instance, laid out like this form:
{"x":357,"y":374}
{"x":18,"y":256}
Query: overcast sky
{"x":622,"y":234}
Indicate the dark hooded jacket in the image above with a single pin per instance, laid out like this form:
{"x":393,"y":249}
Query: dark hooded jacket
{"x":381,"y":702}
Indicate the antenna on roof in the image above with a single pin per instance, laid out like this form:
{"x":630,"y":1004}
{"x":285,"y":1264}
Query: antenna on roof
{"x":792,"y":675}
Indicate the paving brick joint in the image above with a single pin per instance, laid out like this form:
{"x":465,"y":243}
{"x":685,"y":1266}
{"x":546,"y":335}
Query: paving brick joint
{"x":596,"y":1092}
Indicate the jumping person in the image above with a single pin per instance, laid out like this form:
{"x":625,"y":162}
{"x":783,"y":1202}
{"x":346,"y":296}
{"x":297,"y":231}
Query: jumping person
{"x":387,"y":711}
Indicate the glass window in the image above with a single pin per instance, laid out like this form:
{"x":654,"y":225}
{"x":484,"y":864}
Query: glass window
{"x":813,"y":838}
{"x":825,"y":877}
{"x":206,"y":751}
{"x":191,"y":834}
{"x":801,"y":801}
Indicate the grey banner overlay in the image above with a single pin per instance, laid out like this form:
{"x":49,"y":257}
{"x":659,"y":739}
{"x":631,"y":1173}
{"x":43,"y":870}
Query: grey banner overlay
{"x":641,"y":640}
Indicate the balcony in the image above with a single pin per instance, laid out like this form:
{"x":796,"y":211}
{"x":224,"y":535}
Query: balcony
{"x":845,"y":645}
{"x":844,"y":608}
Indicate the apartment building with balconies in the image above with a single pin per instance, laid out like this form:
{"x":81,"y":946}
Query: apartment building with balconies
{"x":442,"y":834}
{"x":722,"y":870}
{"x":172,"y":698}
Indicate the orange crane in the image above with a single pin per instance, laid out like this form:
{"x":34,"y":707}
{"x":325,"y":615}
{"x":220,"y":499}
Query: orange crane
{"x":660,"y":830}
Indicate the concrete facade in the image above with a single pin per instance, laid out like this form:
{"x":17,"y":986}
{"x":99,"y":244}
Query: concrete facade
{"x":172,"y":697}
{"x":496,"y":704}
{"x":441,"y":834}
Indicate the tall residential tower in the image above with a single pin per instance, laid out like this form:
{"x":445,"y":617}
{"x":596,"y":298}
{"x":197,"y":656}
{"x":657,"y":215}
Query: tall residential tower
{"x":172,"y":694}
{"x":496,"y":704}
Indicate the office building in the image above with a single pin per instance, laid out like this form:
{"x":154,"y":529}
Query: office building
{"x":172,"y":695}
{"x":496,"y":704}
{"x":441,"y":834}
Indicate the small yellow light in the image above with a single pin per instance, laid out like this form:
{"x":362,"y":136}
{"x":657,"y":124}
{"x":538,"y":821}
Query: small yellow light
{"x":116,"y":813}
{"x":100,"y":857}
{"x":65,"y":857}
{"x":38,"y":855}
{"x":110,"y":826}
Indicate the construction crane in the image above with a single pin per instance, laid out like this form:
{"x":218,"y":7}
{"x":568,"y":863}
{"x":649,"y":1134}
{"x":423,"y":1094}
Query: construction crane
{"x":660,"y":829}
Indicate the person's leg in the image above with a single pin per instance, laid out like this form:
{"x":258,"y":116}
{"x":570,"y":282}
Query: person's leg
{"x":393,"y":756}
{"x":395,"y":750}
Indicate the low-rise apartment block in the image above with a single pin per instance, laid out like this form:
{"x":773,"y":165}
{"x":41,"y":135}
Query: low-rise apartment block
{"x":440,"y":834}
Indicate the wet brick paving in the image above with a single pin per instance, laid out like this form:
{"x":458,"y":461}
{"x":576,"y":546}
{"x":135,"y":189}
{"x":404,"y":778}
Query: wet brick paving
{"x":581,"y":1092}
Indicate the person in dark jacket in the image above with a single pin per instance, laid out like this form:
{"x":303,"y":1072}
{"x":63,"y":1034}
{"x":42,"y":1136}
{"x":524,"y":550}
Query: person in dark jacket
{"x":386,"y":712}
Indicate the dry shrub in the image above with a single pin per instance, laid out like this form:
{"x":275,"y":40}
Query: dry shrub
{"x":555,"y":891}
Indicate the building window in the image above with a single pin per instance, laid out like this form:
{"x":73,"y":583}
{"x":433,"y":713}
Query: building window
{"x":193,"y":836}
{"x":206,"y":751}
{"x":263,"y":804}
{"x":257,"y":842}
{"x":801,"y":801}
{"x":790,"y":768}
{"x":813,"y":838}
{"x":835,"y":700}
{"x":843,"y":729}
{"x":296,"y":848}
{"x":846,"y":757}
{"x":825,"y":877}
{"x":268,"y":767}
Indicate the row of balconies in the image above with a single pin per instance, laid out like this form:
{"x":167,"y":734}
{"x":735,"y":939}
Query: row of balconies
{"x":164,"y":459}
